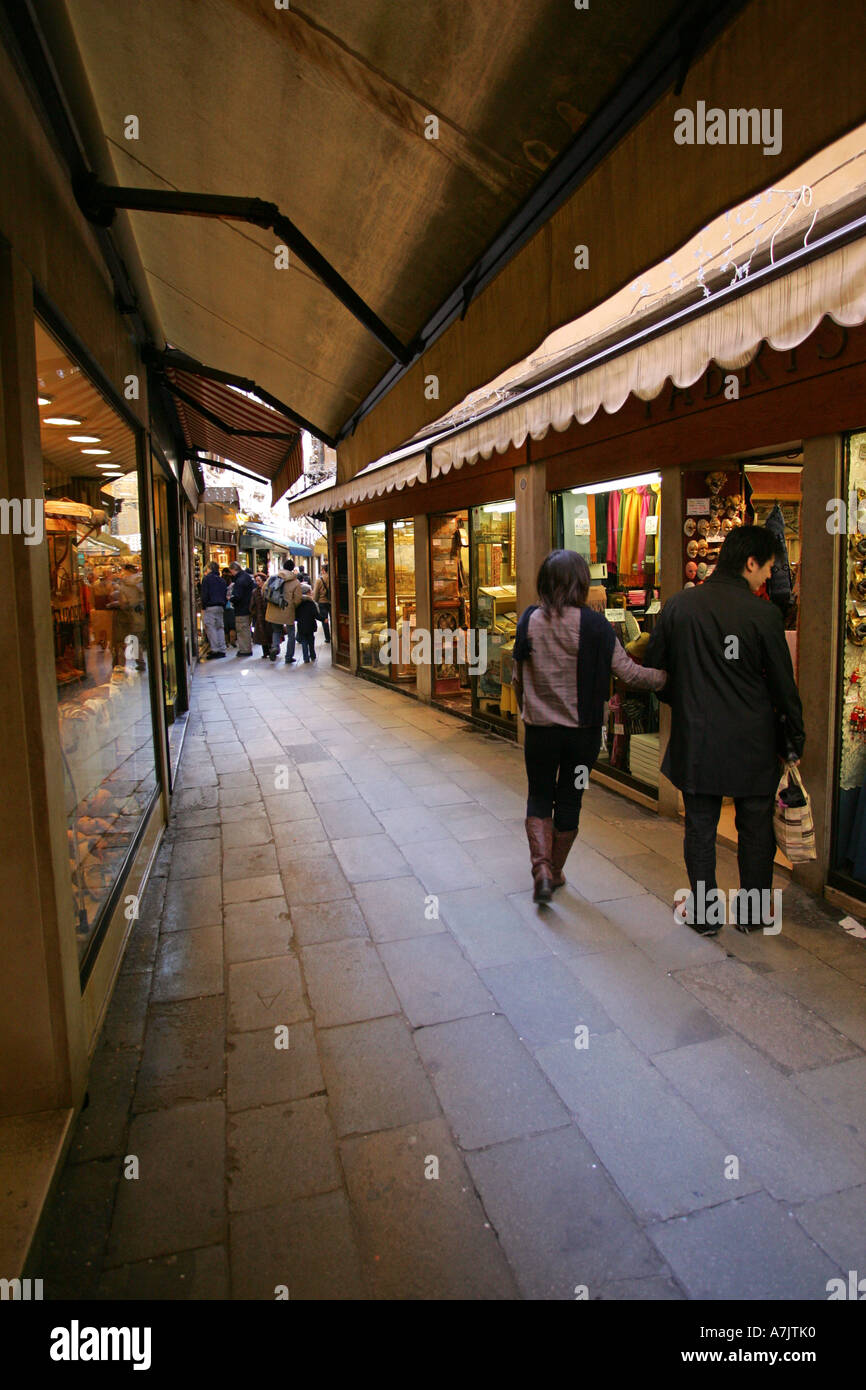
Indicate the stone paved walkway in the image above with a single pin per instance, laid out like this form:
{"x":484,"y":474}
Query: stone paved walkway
{"x":431,"y":1130}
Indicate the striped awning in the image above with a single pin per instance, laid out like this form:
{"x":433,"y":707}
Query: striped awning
{"x":220,"y":419}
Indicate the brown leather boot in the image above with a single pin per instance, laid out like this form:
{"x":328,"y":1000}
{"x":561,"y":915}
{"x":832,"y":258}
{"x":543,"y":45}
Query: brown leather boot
{"x":562,"y":843}
{"x":539,"y":833}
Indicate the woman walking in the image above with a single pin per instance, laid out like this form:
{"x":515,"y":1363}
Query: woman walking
{"x":563,"y":656}
{"x":258,"y":605}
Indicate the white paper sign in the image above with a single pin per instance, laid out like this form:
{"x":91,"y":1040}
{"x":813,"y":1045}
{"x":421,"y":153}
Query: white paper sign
{"x":698,"y":506}
{"x":598,"y":571}
{"x":581,"y":525}
{"x":655,"y":607}
{"x":615,"y":615}
{"x":853,"y":927}
{"x":652,"y":526}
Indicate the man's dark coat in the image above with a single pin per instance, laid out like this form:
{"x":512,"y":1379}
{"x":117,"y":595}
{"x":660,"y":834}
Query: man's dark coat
{"x":731,"y":686}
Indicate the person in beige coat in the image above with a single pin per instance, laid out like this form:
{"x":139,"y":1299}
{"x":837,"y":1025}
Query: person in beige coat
{"x":322,"y":598}
{"x":280,"y":616}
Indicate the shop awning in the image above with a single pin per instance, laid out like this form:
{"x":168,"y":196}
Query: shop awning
{"x":218,"y":419}
{"x":415,"y":147}
{"x":255,"y":537}
{"x":783,"y":313}
{"x":397,"y":471}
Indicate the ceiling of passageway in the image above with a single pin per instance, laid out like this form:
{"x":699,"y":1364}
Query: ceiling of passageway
{"x":321,"y":109}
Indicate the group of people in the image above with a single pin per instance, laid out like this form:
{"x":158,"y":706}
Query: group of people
{"x":265,"y":608}
{"x":718,"y":655}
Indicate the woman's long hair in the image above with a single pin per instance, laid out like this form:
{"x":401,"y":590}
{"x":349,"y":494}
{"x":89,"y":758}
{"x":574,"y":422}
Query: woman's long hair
{"x":563,"y":581}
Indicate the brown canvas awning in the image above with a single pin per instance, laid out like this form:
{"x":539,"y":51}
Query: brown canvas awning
{"x":219,"y":419}
{"x":402,"y":140}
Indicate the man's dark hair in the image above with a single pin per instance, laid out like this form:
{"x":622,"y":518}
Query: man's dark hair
{"x":235,"y":566}
{"x":563,"y":581}
{"x":214,"y":567}
{"x":288,"y":563}
{"x":744,"y":542}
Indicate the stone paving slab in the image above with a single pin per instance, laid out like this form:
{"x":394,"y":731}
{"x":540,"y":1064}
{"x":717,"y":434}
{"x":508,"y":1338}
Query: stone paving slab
{"x":258,"y":929}
{"x":422,"y":1238}
{"x":189,"y":964}
{"x":307,"y":1246}
{"x":347,"y":982}
{"x":433,"y":980}
{"x":178,"y":1200}
{"x":837,"y":1223}
{"x":765,"y":1016}
{"x":265,"y":993}
{"x":261,"y":1072}
{"x":189,"y":1275}
{"x":331,"y":921}
{"x":279,"y":1152}
{"x":781,"y":1136}
{"x":559,"y":1218}
{"x":544,"y":1001}
{"x":840,"y":1089}
{"x":663,"y":1158}
{"x":489,"y":1086}
{"x":192,"y":903}
{"x":650,"y":1008}
{"x":397,"y":908}
{"x":72,"y":1252}
{"x":750,"y":1249}
{"x":488,"y":927}
{"x":184,"y":1053}
{"x":374,"y":1077}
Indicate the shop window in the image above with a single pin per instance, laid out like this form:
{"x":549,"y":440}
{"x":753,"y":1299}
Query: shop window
{"x":403,"y":549}
{"x":93,"y":525}
{"x":371,"y":576}
{"x":164,"y":533}
{"x":616,"y":527}
{"x":494,"y":608}
{"x":849,"y":856}
{"x":450,"y":569}
{"x":385,"y":574}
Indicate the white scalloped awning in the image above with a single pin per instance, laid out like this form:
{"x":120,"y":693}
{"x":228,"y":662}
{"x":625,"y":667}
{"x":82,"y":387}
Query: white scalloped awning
{"x":783,"y":313}
{"x":390,"y":474}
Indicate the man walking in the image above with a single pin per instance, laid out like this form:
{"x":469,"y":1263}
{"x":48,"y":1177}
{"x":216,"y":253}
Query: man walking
{"x":242,"y":592}
{"x":735,"y":711}
{"x":213,"y":602}
{"x":283,"y":593}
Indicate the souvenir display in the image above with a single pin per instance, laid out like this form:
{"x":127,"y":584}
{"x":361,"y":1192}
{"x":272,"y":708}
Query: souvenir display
{"x":703,"y":526}
{"x":692,"y":549}
{"x":691,"y":569}
{"x":689,"y":526}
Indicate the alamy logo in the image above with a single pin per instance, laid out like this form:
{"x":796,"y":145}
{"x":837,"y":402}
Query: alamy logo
{"x":415,"y":645}
{"x":23,"y":518}
{"x":855,"y":1290}
{"x":736,"y":126}
{"x":77,"y":1343}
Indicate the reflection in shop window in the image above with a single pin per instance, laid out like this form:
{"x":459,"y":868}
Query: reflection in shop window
{"x":99,"y":624}
{"x":615,"y":526}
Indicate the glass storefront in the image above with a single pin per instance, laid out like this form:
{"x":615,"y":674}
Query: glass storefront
{"x":93,"y":526}
{"x":385,"y":596}
{"x":616,"y":527}
{"x":494,"y":608}
{"x":450,"y":569}
{"x":849,"y":855}
{"x":164,"y":533}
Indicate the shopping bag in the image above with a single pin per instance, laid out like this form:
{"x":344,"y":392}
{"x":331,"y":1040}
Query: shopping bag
{"x":792,"y":818}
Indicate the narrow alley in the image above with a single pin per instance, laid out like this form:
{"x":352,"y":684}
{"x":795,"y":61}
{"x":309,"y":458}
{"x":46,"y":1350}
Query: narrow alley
{"x":348,"y":1058}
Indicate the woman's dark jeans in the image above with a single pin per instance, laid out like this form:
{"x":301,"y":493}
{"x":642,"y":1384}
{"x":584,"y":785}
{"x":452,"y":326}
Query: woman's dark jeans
{"x":556,"y":758}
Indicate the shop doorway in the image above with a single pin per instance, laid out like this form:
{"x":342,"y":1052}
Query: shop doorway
{"x":340,"y":593}
{"x":385,"y":592}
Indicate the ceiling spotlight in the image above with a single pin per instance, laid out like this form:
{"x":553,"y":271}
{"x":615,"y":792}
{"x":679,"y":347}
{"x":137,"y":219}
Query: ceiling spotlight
{"x":62,"y":420}
{"x":84,"y":438}
{"x":96,"y":451}
{"x":45,"y":400}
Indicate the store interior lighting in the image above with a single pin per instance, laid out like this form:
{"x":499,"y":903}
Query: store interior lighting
{"x":84,"y":438}
{"x":61,"y":420}
{"x":499,"y":507}
{"x":618,"y":484}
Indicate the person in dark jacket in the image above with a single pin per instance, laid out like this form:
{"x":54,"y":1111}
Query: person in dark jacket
{"x":735,"y":710}
{"x":306,"y":614}
{"x":563,"y":655}
{"x":213,"y":602}
{"x":258,"y":604}
{"x":242,"y":592}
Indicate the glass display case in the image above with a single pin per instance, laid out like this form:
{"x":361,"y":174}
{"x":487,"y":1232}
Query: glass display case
{"x":494,"y":608}
{"x":403,"y":548}
{"x":616,"y":527}
{"x":849,"y":831}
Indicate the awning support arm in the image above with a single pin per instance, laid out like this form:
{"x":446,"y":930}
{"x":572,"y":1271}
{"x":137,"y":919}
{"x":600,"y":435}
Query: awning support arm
{"x":99,"y":202}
